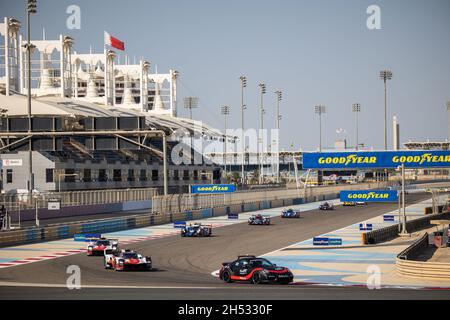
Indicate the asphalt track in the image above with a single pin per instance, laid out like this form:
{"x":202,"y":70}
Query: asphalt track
{"x":184,"y":265}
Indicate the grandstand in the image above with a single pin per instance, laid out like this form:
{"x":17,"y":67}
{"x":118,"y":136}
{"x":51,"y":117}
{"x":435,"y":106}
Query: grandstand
{"x":95,"y":124}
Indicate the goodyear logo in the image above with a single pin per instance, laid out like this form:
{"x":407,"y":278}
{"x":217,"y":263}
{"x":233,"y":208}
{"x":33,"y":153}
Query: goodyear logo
{"x":348,"y":160}
{"x":213,"y":188}
{"x":369,"y":196}
{"x":376,"y":159}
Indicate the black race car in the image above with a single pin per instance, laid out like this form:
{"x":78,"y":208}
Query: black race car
{"x":326,"y":206}
{"x":255,"y":270}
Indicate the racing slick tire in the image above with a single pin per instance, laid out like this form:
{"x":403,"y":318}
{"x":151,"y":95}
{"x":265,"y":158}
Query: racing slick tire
{"x":226,"y":276}
{"x":256,"y":278}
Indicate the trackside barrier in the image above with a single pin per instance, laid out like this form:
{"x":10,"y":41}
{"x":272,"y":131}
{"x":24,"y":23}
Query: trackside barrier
{"x":391,"y":232}
{"x":67,"y":230}
{"x":414,"y":250}
{"x":406,"y":266}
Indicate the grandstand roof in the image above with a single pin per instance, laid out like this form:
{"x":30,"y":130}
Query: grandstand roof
{"x":16,"y":106}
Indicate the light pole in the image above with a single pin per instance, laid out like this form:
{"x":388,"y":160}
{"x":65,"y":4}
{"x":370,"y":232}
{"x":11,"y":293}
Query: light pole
{"x":191,"y":103}
{"x":225,"y":111}
{"x":279,"y":96}
{"x":320,"y":110}
{"x":357,"y":109}
{"x":31,"y":9}
{"x":448,"y":110}
{"x":243,"y":107}
{"x":385,"y":75}
{"x":262,"y":88}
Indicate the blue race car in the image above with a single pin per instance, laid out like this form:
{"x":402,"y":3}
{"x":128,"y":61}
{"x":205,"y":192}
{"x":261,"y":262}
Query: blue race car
{"x":290,"y":213}
{"x":196,"y":230}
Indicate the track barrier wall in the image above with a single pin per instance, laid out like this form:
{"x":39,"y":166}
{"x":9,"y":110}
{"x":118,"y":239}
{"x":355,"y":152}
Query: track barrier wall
{"x":391,"y":232}
{"x":406,"y":266}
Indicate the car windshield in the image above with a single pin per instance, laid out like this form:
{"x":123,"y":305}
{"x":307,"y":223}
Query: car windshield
{"x":130,"y":255}
{"x":103,"y":242}
{"x":261,"y":263}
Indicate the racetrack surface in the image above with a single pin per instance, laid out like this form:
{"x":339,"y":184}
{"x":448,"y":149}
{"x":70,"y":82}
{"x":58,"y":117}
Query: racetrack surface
{"x":184,"y":265}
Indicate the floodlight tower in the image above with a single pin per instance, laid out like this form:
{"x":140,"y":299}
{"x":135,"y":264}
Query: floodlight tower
{"x":385,"y":75}
{"x":225,"y":111}
{"x":320,"y":110}
{"x":279,"y":96}
{"x":262,"y":88}
{"x":243,"y":107}
{"x":356,"y":107}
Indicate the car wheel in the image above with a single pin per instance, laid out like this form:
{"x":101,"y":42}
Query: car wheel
{"x":226,"y":276}
{"x":256,"y":278}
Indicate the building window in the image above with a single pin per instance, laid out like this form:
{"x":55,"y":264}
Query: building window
{"x":102,"y":176}
{"x":154,"y":175}
{"x":117,"y":175}
{"x":195,"y":174}
{"x":185,"y":174}
{"x":143,"y":175}
{"x":176,"y":175}
{"x":48,"y":175}
{"x":87,"y":175}
{"x":130,"y":175}
{"x":9,"y":176}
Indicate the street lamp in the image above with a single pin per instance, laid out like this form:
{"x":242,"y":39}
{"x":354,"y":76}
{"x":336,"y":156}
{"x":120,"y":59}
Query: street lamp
{"x":279,"y":96}
{"x":31,"y":9}
{"x":320,"y":110}
{"x":225,"y":111}
{"x":243,"y":107}
{"x":385,"y":75}
{"x":262,"y":88}
{"x":356,"y":109}
{"x":191,"y":103}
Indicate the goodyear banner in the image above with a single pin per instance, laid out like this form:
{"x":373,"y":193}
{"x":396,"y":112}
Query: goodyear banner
{"x":213,"y":188}
{"x":369,"y":195}
{"x":376,"y":159}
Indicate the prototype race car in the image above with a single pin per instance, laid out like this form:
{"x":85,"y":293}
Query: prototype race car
{"x":361,"y":203}
{"x":97,"y":247}
{"x":259,"y":219}
{"x":255,"y":270}
{"x":326,"y":206}
{"x":127,"y":260}
{"x":290,"y":213}
{"x":196,"y":230}
{"x":348,"y":204}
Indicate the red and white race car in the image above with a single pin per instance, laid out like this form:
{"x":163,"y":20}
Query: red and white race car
{"x":127,"y":260}
{"x":97,"y":246}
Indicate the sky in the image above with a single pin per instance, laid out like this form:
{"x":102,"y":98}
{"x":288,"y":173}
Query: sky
{"x":318,"y":52}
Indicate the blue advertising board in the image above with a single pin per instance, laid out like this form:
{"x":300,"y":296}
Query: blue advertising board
{"x":324,"y":241}
{"x":86,"y":237}
{"x":213,"y":188}
{"x":388,"y":217}
{"x":179,"y":224}
{"x":368,"y":195}
{"x":365,"y":227}
{"x":233,"y":216}
{"x":376,"y":159}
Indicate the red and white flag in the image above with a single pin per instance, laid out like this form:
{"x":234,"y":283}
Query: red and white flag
{"x":114,"y":42}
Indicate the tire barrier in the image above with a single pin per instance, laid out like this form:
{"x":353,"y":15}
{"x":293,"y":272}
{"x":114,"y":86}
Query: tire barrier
{"x":391,"y":232}
{"x":406,"y":266}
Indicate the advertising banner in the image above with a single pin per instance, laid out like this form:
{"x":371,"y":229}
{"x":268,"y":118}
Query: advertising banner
{"x":376,"y":159}
{"x":368,"y":195}
{"x":213,"y":188}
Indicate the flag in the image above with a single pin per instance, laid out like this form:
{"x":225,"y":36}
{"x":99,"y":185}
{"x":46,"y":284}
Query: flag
{"x":114,"y":42}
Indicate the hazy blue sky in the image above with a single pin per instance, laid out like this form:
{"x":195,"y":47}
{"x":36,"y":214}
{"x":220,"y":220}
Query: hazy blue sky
{"x":316,"y":51}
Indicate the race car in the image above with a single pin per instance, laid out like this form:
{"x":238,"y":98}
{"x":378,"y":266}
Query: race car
{"x":259,"y":219}
{"x":196,"y":230}
{"x":97,"y":246}
{"x":127,"y":260}
{"x":290,"y":213}
{"x":255,"y":270}
{"x":361,"y":203}
{"x":326,"y":206}
{"x":348,"y":204}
